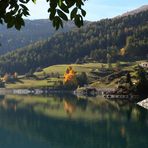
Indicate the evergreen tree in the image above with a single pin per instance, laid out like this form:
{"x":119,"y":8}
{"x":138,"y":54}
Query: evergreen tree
{"x":142,"y":86}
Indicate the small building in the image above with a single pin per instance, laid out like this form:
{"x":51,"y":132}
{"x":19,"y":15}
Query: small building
{"x":144,"y":64}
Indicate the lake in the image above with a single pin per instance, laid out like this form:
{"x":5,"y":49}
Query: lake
{"x":64,"y":121}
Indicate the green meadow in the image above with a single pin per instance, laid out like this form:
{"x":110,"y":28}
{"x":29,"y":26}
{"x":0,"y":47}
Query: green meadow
{"x":24,"y":82}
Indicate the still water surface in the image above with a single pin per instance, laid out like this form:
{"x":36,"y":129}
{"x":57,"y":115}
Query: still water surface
{"x":69,"y":122}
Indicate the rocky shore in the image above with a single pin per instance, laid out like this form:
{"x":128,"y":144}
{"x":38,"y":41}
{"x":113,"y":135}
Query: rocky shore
{"x":144,"y":103}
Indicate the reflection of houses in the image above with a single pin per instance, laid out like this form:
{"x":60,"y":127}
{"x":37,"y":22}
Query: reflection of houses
{"x":144,"y":64}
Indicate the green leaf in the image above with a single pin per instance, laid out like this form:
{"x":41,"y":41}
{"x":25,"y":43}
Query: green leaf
{"x":70,"y":3}
{"x":83,"y":12}
{"x":62,"y":15}
{"x":24,"y":1}
{"x":64,"y":8}
{"x":8,"y":17}
{"x":10,"y":24}
{"x":19,"y":22}
{"x":23,"y":6}
{"x":60,"y":3}
{"x":79,"y":3}
{"x":1,"y":21}
{"x":34,"y":1}
{"x":78,"y":20}
{"x":73,"y":13}
{"x":53,"y":4}
{"x":57,"y":22}
{"x":52,"y":14}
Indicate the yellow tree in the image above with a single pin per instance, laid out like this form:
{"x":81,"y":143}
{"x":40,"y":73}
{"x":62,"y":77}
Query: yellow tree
{"x":6,"y":77}
{"x":70,"y":76}
{"x":122,"y":51}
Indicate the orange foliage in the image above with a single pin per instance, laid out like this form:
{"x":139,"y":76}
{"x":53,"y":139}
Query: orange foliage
{"x":122,"y":51}
{"x":123,"y":131}
{"x":69,"y":107}
{"x":6,"y":77}
{"x":69,"y":75}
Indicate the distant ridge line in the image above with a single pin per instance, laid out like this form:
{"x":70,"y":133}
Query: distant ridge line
{"x":135,"y":11}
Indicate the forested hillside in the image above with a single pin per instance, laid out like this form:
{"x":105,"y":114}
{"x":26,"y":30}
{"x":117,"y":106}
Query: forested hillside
{"x":129,"y":33}
{"x":34,"y":30}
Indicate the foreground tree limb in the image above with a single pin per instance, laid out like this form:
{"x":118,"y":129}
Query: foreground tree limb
{"x":13,"y":11}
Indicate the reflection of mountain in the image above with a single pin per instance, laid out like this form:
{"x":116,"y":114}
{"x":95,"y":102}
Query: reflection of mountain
{"x":39,"y":129}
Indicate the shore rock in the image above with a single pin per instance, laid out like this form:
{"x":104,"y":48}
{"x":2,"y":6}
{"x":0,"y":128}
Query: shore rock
{"x":144,"y":103}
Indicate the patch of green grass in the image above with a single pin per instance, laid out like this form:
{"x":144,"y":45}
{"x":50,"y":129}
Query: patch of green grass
{"x":87,"y":67}
{"x":77,"y":67}
{"x":26,"y":83}
{"x":100,"y":84}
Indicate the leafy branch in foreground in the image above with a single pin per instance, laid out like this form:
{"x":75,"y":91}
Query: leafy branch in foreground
{"x":13,"y":11}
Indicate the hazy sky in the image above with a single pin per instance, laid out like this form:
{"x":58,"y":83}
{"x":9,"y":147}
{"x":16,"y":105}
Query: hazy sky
{"x":96,"y":9}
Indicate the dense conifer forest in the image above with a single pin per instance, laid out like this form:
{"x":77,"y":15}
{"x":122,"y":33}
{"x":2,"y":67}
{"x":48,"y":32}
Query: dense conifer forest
{"x":124,"y":38}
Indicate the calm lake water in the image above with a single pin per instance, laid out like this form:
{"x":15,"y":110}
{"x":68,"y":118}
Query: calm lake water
{"x":68,"y":122}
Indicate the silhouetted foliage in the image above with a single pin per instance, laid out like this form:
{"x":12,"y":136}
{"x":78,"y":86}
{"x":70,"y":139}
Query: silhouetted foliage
{"x":142,"y":86}
{"x":12,"y":12}
{"x":82,"y":79}
{"x":128,"y":79}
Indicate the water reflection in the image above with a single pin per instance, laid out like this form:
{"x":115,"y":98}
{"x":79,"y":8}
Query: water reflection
{"x":68,"y":122}
{"x":69,"y":107}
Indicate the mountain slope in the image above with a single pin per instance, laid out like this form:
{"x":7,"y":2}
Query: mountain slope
{"x":34,"y":30}
{"x":138,"y":10}
{"x":94,"y":40}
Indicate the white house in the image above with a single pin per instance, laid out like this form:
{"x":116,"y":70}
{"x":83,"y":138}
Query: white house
{"x":144,"y":64}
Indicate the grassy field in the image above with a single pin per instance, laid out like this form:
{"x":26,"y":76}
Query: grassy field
{"x":77,"y":67}
{"x":60,"y":69}
{"x":83,"y":67}
{"x":26,"y":83}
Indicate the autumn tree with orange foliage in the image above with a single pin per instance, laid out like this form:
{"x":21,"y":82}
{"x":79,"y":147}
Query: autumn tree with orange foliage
{"x":6,"y":77}
{"x":69,"y":75}
{"x":70,"y":78}
{"x":122,"y":51}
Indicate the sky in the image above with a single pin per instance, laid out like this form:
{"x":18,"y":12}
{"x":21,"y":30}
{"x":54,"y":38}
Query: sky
{"x":96,"y":9}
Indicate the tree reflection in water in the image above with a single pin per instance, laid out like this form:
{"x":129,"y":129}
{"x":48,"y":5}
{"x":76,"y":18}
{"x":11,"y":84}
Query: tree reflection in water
{"x":68,"y":122}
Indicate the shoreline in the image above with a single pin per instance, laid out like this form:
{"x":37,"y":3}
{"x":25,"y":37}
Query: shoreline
{"x":143,"y":102}
{"x":33,"y":91}
{"x":85,"y":91}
